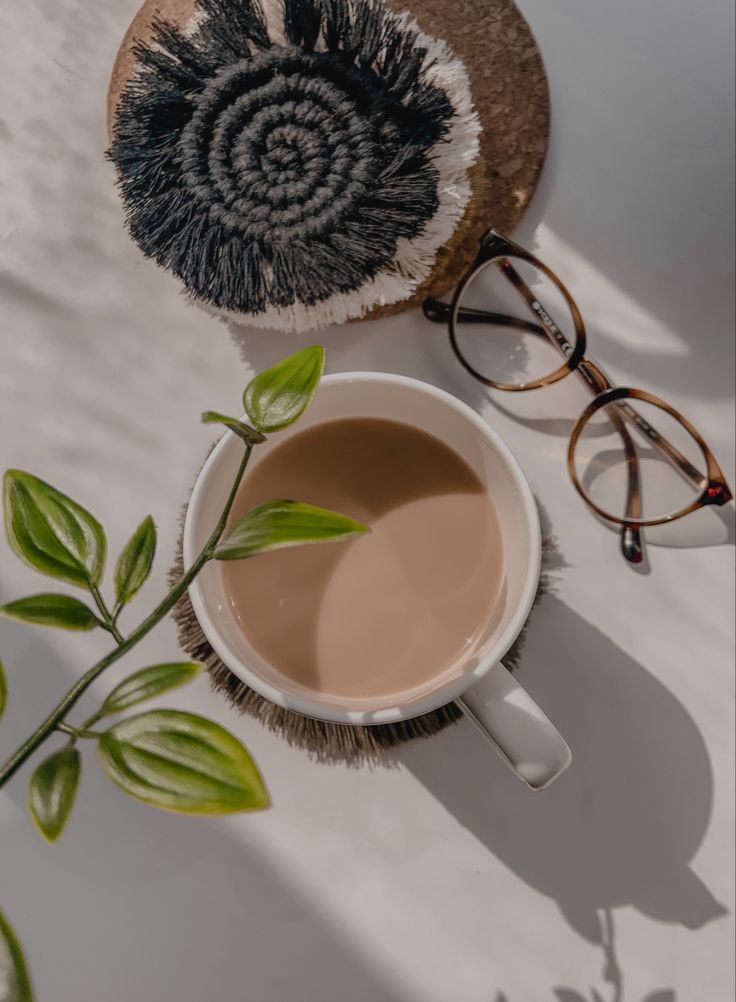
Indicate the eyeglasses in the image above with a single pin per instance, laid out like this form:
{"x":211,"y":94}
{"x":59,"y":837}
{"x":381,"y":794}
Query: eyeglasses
{"x":634,"y":466}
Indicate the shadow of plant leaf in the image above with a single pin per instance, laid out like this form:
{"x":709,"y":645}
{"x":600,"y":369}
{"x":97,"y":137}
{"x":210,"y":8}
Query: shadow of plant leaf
{"x":569,"y":995}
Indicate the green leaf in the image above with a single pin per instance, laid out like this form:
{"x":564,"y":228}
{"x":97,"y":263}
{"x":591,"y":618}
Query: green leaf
{"x":3,"y":691}
{"x":249,"y":435}
{"x":280,"y":395}
{"x":277,"y":524}
{"x":183,"y":763}
{"x":15,"y":982}
{"x":52,"y":610}
{"x":135,"y":562}
{"x":52,"y":533}
{"x":52,"y":790}
{"x":147,"y":683}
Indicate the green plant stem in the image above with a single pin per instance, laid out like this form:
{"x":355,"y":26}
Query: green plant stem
{"x":90,"y":721}
{"x":99,"y":714}
{"x":107,"y":617}
{"x":77,"y":732}
{"x":57,"y":715}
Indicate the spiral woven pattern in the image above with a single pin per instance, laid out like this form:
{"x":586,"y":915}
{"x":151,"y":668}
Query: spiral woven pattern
{"x":295,"y":165}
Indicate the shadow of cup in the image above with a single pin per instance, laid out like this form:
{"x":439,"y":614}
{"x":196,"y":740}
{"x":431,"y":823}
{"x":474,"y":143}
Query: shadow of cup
{"x":622,"y":825}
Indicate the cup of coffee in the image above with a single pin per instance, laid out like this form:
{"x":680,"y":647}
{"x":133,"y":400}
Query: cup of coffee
{"x":414,"y":614}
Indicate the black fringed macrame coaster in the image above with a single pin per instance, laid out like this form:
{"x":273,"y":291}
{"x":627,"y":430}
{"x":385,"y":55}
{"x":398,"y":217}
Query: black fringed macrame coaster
{"x":294,"y":163}
{"x":509,"y":89}
{"x":324,"y":740}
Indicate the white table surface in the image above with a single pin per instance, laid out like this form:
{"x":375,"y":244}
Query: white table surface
{"x":438,"y":878}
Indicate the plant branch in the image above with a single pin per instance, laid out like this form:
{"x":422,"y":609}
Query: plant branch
{"x":56,"y":717}
{"x":107,"y":616}
{"x":77,"y":732}
{"x":90,"y":721}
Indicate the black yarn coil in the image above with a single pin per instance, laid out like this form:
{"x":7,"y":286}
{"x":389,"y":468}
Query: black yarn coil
{"x":264,"y":175}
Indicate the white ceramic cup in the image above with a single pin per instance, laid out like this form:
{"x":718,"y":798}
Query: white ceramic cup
{"x":482,"y":687}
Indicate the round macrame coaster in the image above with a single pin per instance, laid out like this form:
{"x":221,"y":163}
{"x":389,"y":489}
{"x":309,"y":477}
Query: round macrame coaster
{"x":510,"y":93}
{"x":324,"y":740}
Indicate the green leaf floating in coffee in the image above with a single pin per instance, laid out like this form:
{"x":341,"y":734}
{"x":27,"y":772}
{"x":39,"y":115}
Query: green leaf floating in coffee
{"x":277,"y":524}
{"x":52,"y":533}
{"x":278,"y":396}
{"x":3,"y":690}
{"x":147,"y":683}
{"x":135,"y":562}
{"x":15,"y":982}
{"x":52,"y":790}
{"x":183,"y":763}
{"x":249,"y":435}
{"x":52,"y":610}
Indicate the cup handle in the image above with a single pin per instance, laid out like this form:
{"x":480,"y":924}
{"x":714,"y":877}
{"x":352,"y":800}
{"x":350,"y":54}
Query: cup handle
{"x":509,"y":718}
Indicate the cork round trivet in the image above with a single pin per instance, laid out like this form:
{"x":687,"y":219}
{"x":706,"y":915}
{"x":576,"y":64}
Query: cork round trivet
{"x":324,"y":740}
{"x":510,"y":93}
{"x":511,"y":96}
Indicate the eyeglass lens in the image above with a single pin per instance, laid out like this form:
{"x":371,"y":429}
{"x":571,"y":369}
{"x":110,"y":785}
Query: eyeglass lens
{"x":510,"y":345}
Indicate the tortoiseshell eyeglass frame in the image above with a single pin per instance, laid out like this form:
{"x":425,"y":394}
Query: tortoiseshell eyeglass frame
{"x":713,"y":489}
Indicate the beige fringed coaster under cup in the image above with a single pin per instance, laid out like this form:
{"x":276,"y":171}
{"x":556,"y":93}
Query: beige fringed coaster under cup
{"x":324,"y":740}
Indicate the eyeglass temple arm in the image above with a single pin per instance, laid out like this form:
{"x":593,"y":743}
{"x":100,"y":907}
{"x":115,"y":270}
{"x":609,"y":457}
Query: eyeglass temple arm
{"x":439,"y":313}
{"x":630,"y":535}
{"x":631,"y":544}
